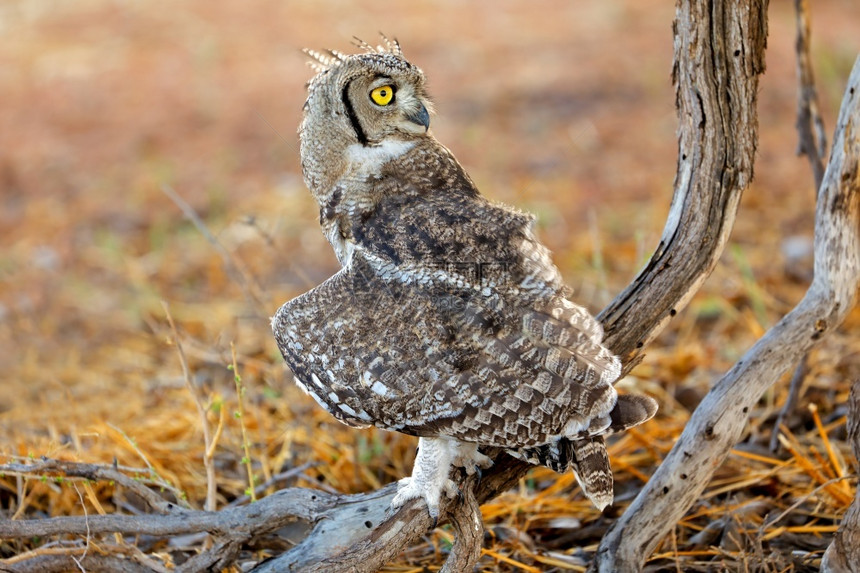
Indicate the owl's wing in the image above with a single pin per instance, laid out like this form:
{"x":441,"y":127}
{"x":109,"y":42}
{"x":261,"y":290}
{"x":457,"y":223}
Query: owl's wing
{"x":408,"y":350}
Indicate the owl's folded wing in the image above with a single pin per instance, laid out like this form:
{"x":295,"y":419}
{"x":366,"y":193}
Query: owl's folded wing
{"x":424,"y":357}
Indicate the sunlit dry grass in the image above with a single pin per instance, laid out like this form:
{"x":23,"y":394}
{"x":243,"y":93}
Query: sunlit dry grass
{"x":562,"y":109}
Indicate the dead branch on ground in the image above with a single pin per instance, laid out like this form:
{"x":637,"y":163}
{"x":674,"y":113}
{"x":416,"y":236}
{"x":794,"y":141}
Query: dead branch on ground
{"x":231,"y":528}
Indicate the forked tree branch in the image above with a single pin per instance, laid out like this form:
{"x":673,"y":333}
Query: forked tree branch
{"x":720,"y":420}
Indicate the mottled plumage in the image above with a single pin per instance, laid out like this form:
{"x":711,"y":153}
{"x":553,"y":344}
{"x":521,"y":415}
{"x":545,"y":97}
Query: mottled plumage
{"x":448,"y":320}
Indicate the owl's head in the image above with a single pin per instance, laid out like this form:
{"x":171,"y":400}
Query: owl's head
{"x":365,"y":99}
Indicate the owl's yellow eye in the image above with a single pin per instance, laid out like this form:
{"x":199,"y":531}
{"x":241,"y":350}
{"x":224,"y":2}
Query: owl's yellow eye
{"x":383,"y":95}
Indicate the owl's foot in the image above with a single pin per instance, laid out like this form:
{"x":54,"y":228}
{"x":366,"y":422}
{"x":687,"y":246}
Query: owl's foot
{"x":411,"y":488}
{"x":433,"y":463}
{"x":470,"y":459}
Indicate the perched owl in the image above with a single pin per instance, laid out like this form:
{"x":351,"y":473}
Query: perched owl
{"x":448,"y":320}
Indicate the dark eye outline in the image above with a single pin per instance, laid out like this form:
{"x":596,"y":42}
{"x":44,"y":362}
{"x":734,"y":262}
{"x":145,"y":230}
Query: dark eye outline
{"x":390,"y":100}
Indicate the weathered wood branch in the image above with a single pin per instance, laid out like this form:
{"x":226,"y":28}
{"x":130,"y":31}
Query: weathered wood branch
{"x":469,"y":528}
{"x":812,"y":142}
{"x":232,"y":528}
{"x":719,"y":55}
{"x":719,"y":421}
{"x":843,"y":554}
{"x":279,"y":509}
{"x":91,"y":563}
{"x":57,"y":468}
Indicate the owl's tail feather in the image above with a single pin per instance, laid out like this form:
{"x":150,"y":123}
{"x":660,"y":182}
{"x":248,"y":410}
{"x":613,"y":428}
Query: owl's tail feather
{"x":592,"y":470}
{"x":630,"y":410}
{"x":586,"y":456}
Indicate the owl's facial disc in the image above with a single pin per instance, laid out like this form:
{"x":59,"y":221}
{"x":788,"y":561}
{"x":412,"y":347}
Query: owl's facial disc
{"x":385,"y":94}
{"x":384,"y":106}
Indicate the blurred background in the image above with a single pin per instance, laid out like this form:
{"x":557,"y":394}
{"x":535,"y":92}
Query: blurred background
{"x":563,"y":108}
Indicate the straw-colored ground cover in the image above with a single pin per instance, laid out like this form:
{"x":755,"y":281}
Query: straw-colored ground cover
{"x":564,"y":110}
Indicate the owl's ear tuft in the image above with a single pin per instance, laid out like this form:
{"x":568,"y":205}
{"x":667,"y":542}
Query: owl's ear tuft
{"x":359,"y":43}
{"x":392,"y":44}
{"x":320,"y":62}
{"x":388,"y":46}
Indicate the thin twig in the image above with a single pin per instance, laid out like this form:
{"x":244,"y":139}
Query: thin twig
{"x":810,"y":126}
{"x":153,"y":474}
{"x":790,"y":404}
{"x":234,"y":267}
{"x":208,"y":441}
{"x":89,"y":535}
{"x":240,"y":414}
{"x":48,"y":467}
{"x":21,"y":487}
{"x":803,"y":499}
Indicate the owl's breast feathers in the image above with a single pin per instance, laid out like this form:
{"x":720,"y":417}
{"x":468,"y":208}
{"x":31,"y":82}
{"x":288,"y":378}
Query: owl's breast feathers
{"x":449,"y":320}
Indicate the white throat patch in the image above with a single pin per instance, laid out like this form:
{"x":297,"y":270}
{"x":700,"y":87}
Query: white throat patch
{"x":369,"y":158}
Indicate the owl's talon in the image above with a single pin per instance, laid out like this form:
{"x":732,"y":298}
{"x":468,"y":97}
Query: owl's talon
{"x":471,"y":460}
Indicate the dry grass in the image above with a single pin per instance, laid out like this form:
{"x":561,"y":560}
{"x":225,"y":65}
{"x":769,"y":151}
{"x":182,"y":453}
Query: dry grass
{"x":562,"y":109}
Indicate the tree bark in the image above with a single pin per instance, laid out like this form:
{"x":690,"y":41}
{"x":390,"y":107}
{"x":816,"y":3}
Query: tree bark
{"x":843,"y":554}
{"x":719,"y":55}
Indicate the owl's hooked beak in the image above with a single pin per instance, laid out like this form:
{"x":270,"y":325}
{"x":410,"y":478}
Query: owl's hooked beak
{"x":420,"y":116}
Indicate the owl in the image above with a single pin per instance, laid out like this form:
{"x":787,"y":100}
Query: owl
{"x":448,"y":320}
